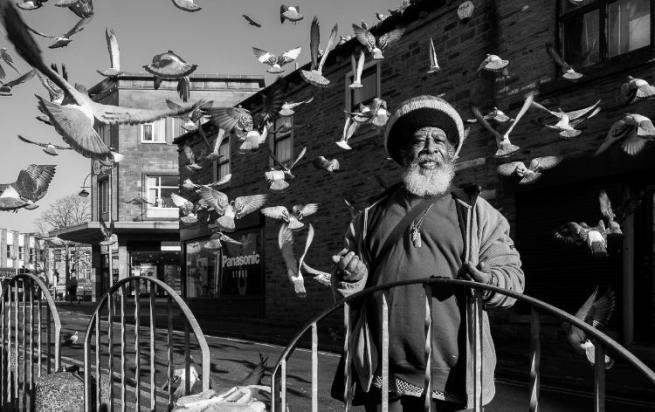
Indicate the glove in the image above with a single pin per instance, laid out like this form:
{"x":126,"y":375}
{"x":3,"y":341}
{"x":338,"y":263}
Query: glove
{"x":350,"y":268}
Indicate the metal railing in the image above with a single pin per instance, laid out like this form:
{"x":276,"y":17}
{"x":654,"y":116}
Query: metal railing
{"x":26,"y":310}
{"x":118,"y":294}
{"x":601,"y":341}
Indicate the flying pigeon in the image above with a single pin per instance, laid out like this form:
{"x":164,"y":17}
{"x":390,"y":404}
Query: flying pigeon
{"x":6,"y":57}
{"x":214,"y":154}
{"x":567,"y":71}
{"x":30,"y":186}
{"x":55,"y":93}
{"x":633,"y":131}
{"x":277,"y":177}
{"x":434,"y":64}
{"x":324,"y":278}
{"x":375,"y":114}
{"x":109,"y":238}
{"x":217,"y":239}
{"x":380,"y":16}
{"x":636,"y":89}
{"x":320,"y":162}
{"x":64,"y":39}
{"x":568,"y":122}
{"x":349,"y":129}
{"x":251,"y":21}
{"x":114,"y":55}
{"x":288,"y":108}
{"x":505,"y":146}
{"x":192,"y":165}
{"x":171,"y":66}
{"x":255,"y":138}
{"x":192,"y":119}
{"x":235,"y":120}
{"x":230,"y":210}
{"x":494,"y":114}
{"x":596,"y":311}
{"x":74,"y":121}
{"x":81,"y":8}
{"x":293,"y":265}
{"x":358,"y":69}
{"x":294,"y":218}
{"x":291,"y":13}
{"x":30,"y":4}
{"x":70,"y":339}
{"x":581,"y":234}
{"x":186,"y":5}
{"x":374,"y":45}
{"x":187,"y":209}
{"x":6,"y":88}
{"x":613,"y":226}
{"x":493,"y":63}
{"x":531,"y":173}
{"x":49,"y":148}
{"x":274,"y":62}
{"x":315,"y":75}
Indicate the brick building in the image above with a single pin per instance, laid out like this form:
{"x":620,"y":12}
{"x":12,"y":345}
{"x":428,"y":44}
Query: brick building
{"x":137,"y":190}
{"x":519,"y":32}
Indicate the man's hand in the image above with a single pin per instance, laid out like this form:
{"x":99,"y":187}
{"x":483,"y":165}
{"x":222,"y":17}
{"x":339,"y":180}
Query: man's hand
{"x":478,"y":274}
{"x":349,"y":266}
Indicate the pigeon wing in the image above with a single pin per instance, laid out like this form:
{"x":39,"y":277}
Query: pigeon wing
{"x":557,"y":58}
{"x":21,"y":79}
{"x":188,"y":152}
{"x":584,"y":112}
{"x":300,"y":156}
{"x":486,"y":125}
{"x":8,"y":59}
{"x":112,"y":47}
{"x":529,"y":98}
{"x":544,"y":163}
{"x":217,"y":199}
{"x":391,"y":37}
{"x":606,"y":205}
{"x":314,"y":41}
{"x":309,"y":209}
{"x":618,"y":131}
{"x":509,"y":169}
{"x":33,"y":182}
{"x":586,"y":307}
{"x":264,"y":57}
{"x":332,"y":41}
{"x":26,"y":140}
{"x":110,"y":114}
{"x":289,"y":56}
{"x":569,"y":233}
{"x":79,"y":26}
{"x":319,"y":162}
{"x":308,"y":243}
{"x":244,"y":205}
{"x":601,"y":310}
{"x":364,"y":37}
{"x":227,"y":118}
{"x":181,"y":202}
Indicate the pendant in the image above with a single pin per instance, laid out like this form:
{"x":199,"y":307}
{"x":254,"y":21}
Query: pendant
{"x":416,"y":237}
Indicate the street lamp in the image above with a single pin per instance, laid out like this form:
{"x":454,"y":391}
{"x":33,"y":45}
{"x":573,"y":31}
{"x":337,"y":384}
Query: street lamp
{"x":84,"y":192}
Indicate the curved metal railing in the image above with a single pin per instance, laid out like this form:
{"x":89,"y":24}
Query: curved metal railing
{"x":108,"y":302}
{"x":601,"y":340}
{"x":26,"y":308}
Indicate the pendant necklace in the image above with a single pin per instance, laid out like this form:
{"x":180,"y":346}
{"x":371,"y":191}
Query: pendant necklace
{"x":415,"y":228}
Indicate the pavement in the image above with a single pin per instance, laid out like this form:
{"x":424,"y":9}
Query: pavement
{"x":235,"y":349}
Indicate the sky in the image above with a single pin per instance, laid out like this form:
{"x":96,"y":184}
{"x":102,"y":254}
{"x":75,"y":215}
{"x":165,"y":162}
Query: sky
{"x":216,"y":38}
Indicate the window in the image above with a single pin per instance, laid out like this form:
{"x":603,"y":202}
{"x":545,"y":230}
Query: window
{"x":223,"y":164}
{"x":21,"y":253}
{"x":370,"y":86}
{"x":282,"y":139}
{"x":9,"y":251}
{"x":154,"y":132}
{"x":32,"y":256}
{"x":104,"y":131}
{"x":158,"y":193}
{"x":103,"y":196}
{"x":174,"y":128}
{"x":624,"y":23}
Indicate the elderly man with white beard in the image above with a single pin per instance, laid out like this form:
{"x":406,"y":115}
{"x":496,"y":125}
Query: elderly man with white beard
{"x":419,"y":228}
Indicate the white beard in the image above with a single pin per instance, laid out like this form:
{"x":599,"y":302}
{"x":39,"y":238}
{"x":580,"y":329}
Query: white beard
{"x":428,"y":182}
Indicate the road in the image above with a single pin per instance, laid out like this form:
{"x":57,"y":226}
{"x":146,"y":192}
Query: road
{"x":232,"y":359}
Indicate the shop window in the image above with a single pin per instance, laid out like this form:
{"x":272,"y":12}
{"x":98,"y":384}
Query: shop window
{"x":598,"y":30}
{"x":282,"y":139}
{"x":158,"y":194}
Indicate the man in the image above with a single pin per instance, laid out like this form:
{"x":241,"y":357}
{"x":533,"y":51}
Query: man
{"x":72,"y":287}
{"x":414,"y":230}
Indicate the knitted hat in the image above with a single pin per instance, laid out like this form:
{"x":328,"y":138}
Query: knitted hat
{"x":416,"y":113}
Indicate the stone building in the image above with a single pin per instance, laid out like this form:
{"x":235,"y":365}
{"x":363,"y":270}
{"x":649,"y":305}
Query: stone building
{"x":20,"y":251}
{"x":137,"y":190}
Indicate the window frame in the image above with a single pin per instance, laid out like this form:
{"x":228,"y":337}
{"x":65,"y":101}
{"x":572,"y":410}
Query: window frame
{"x":367,"y":131}
{"x":217,"y":163}
{"x":158,"y":132}
{"x":103,"y":195}
{"x":275,"y":138}
{"x":159,"y":211}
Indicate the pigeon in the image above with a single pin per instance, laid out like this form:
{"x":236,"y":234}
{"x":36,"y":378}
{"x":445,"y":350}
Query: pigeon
{"x":613,"y":226}
{"x":358,"y":69}
{"x":343,"y":39}
{"x":277,"y":178}
{"x":30,"y":186}
{"x":192,"y":165}
{"x":531,"y":173}
{"x":56,"y":94}
{"x":581,"y":234}
{"x":294,"y":218}
{"x":324,"y":278}
{"x":494,"y":114}
{"x":215,"y":155}
{"x":596,"y":311}
{"x":274,"y":62}
{"x":505,"y":146}
{"x":70,"y":339}
{"x":189,"y":185}
{"x":230,"y":210}
{"x":114,"y":55}
{"x":81,"y":8}
{"x":74,"y":121}
{"x":569,"y":121}
{"x":320,"y":162}
{"x":251,"y":21}
{"x":380,"y":16}
{"x":49,"y":148}
{"x":636,"y":89}
{"x":192,"y":119}
{"x":216,"y":240}
{"x":567,"y":71}
{"x":234,"y":120}
{"x":434,"y":64}
{"x":109,"y":238}
{"x":404,"y":4}
{"x":375,"y":114}
{"x":139,"y":201}
{"x":6,"y":88}
{"x":179,"y":381}
{"x":6,"y":57}
{"x":315,"y":75}
{"x":64,"y":39}
{"x":287,"y":108}
{"x":187,"y":5}
{"x":30,"y":4}
{"x":493,"y":63}
{"x":291,"y":13}
{"x":293,"y":265}
{"x":374,"y":45}
{"x":171,"y":66}
{"x":187,"y":209}
{"x":255,"y":138}
{"x":349,"y":129}
{"x":633,"y":131}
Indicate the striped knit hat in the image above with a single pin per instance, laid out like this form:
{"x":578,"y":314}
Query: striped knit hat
{"x":419,"y":112}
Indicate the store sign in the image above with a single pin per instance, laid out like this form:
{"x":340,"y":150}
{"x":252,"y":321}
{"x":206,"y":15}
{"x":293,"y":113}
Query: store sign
{"x":242,"y":265}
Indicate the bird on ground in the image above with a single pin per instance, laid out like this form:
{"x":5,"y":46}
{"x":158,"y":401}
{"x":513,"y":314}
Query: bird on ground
{"x":358,"y":69}
{"x":274,"y":62}
{"x":192,"y":164}
{"x":567,"y":71}
{"x":6,"y":57}
{"x":374,"y":45}
{"x":321,"y":162}
{"x":434,"y":63}
{"x":49,"y":148}
{"x":81,"y":8}
{"x":315,"y":75}
{"x":568,"y":122}
{"x":504,"y":145}
{"x":285,"y":241}
{"x":493,"y":63}
{"x":287,"y":108}
{"x":171,"y":66}
{"x":581,"y":234}
{"x":187,"y":208}
{"x":251,"y":21}
{"x":70,"y":338}
{"x":291,"y":13}
{"x":30,"y":4}
{"x":632,"y":131}
{"x":294,"y":218}
{"x":74,"y":121}
{"x":228,"y":210}
{"x":64,"y":39}
{"x":494,"y":114}
{"x":187,"y":5}
{"x":6,"y":88}
{"x":30,"y":186}
{"x":596,"y":311}
{"x":179,"y":381}
{"x":531,"y":173}
{"x":636,"y":89}
{"x":114,"y":55}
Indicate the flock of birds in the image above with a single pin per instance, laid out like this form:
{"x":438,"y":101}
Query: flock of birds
{"x":72,"y":113}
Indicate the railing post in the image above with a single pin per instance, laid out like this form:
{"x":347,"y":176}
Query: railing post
{"x":535,"y":358}
{"x":347,"y":346}
{"x":385,"y":352}
{"x":314,"y":367}
{"x":599,"y":377}
{"x":427,"y":405}
{"x":477,"y":349}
